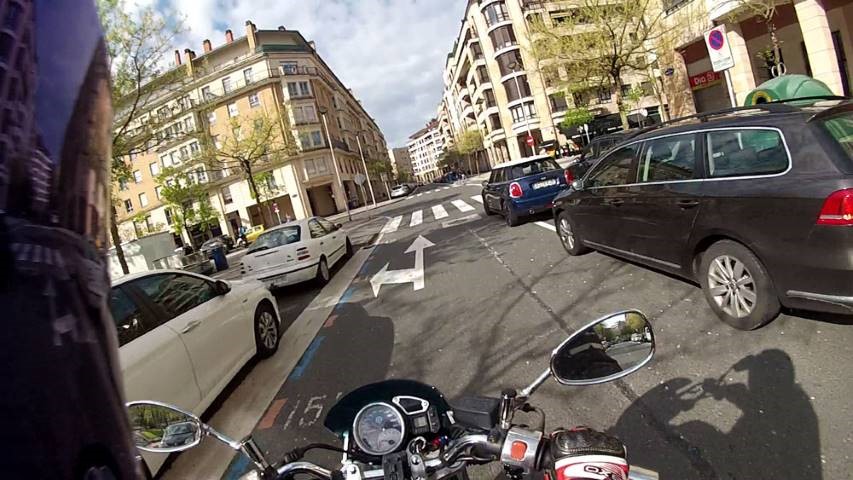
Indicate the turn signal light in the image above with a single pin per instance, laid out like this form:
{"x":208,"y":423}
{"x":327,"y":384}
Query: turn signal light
{"x":517,"y":450}
{"x":837,"y":209}
{"x":569,"y":176}
{"x":515,"y":190}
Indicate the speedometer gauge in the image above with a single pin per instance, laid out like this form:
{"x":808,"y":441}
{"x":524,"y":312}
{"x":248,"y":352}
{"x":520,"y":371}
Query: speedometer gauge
{"x":379,"y":429}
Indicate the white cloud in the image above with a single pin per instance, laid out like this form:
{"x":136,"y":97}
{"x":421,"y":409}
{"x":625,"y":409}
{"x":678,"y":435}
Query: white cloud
{"x":391,"y":53}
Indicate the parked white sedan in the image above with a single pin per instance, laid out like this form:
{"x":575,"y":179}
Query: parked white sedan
{"x":183,"y":336}
{"x":296,"y":252}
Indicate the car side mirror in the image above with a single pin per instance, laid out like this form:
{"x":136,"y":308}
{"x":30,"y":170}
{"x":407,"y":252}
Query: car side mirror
{"x":338,"y":226}
{"x":162,"y":428}
{"x":222,"y":287}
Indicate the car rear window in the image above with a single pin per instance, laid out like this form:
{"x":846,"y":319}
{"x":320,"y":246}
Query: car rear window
{"x":276,"y":238}
{"x":840,"y":128}
{"x":739,"y":152}
{"x":533,"y":167}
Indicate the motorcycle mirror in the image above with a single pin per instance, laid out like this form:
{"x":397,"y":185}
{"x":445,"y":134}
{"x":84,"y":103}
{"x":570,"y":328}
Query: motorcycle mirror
{"x":605,"y":350}
{"x":162,"y":428}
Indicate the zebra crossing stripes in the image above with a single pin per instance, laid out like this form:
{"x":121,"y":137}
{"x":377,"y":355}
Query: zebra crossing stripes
{"x":439,"y":212}
{"x":417,"y":218}
{"x":477,"y":198}
{"x":392,"y":225}
{"x":462,"y":206}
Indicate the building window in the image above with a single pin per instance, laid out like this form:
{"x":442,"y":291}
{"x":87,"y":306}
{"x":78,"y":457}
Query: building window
{"x":194,"y":148}
{"x":304,"y":114}
{"x":184,"y":153}
{"x":482,"y":74}
{"x":158,"y":190}
{"x":188,"y":124}
{"x":137,"y":176}
{"x":206,"y":93}
{"x":226,"y":195}
{"x":495,"y":121}
{"x":226,"y":84}
{"x":604,"y":95}
{"x":523,"y":112}
{"x":495,"y":13}
{"x":200,"y":175}
{"x":626,"y":90}
{"x":503,"y":37}
{"x":558,"y":102}
{"x":154,"y":167}
{"x":211,"y":117}
{"x":232,"y":110}
{"x":289,"y":68}
{"x":477,"y":51}
{"x":490,"y":98}
{"x":143,"y":200}
{"x":510,"y":62}
{"x":168,"y":213}
{"x":317,"y":138}
{"x":247,"y":75}
{"x":122,"y":184}
{"x":128,"y":206}
{"x":299,"y":89}
{"x":512,"y":88}
{"x":304,"y":139}
{"x":254,"y":101}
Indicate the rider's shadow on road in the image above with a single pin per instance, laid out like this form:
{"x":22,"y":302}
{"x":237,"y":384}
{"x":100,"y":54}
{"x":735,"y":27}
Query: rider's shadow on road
{"x":775,"y":435}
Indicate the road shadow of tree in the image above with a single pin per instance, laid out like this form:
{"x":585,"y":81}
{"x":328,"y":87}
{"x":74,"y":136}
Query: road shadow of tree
{"x":776,"y":435}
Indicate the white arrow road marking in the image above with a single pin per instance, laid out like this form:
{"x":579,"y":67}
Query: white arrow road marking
{"x":415,"y":276}
{"x":439,"y":212}
{"x":392,"y":225}
{"x":462,"y":206}
{"x":477,"y":198}
{"x":547,"y":226}
{"x":417,"y":218}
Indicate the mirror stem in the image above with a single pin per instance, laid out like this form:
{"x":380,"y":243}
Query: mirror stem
{"x":528,"y":390}
{"x":249,"y":448}
{"x":507,"y":407}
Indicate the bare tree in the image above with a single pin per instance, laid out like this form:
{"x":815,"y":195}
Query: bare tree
{"x":137,"y":45}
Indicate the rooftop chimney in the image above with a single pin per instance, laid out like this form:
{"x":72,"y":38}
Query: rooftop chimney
{"x":192,"y":54}
{"x":188,"y":59}
{"x":312,"y":44}
{"x":251,"y":36}
{"x":229,"y":36}
{"x":177,"y":57}
{"x":281,"y":28}
{"x":206,"y":46}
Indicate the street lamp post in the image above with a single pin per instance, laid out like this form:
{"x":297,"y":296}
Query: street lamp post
{"x":364,"y":164}
{"x":335,"y":163}
{"x":512,"y":66}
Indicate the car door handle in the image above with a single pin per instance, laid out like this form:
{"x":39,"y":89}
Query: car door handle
{"x":614,"y":203}
{"x":191,"y":326}
{"x":687,"y":203}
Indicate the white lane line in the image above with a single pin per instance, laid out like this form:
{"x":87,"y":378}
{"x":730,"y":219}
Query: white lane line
{"x":547,"y":226}
{"x":460,"y":220}
{"x":446,"y":188}
{"x":418,"y":195}
{"x":477,"y":198}
{"x":439,"y":212}
{"x":417,"y":218}
{"x":392,"y":225}
{"x":462,"y":206}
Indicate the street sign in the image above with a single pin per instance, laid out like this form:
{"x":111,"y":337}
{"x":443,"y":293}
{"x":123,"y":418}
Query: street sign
{"x":529,"y":140}
{"x":719,"y":50}
{"x":359,"y":178}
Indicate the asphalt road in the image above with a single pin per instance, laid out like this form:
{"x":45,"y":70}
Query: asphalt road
{"x":715,"y":403}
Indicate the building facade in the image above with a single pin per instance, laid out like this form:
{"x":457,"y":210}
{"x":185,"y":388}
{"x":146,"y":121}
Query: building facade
{"x":815,"y":38}
{"x":401,"y":163}
{"x":276,"y":73}
{"x":425,"y":148}
{"x":493,"y":83}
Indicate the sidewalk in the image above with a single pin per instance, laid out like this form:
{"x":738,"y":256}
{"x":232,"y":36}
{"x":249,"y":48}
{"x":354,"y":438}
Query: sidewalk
{"x":362,"y":213}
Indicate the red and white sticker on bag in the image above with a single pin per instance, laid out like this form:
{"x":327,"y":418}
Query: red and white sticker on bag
{"x":592,"y":467}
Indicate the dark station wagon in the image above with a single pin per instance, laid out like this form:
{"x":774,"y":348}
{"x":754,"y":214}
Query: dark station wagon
{"x":753,"y":203}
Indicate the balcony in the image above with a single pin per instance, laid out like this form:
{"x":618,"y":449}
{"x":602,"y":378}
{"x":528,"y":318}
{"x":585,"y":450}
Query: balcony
{"x":216,"y":93}
{"x":291,"y":70}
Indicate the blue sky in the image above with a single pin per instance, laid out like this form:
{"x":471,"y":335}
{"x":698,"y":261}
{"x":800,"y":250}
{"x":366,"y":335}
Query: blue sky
{"x":391,"y":53}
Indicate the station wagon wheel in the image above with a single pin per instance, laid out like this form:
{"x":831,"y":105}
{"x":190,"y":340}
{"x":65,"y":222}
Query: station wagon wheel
{"x":737,"y":286}
{"x":267,"y":333}
{"x":568,"y":236}
{"x":323,"y":274}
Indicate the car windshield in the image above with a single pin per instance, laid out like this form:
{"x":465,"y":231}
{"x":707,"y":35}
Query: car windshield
{"x":840,"y":128}
{"x":533,"y":167}
{"x":276,"y":238}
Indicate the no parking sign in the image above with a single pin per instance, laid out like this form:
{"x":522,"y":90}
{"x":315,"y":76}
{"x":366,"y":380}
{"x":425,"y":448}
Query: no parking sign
{"x":719,"y":50}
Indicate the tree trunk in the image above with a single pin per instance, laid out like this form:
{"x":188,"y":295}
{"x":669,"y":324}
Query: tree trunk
{"x":117,"y":241}
{"x":620,"y":102}
{"x":253,"y":187}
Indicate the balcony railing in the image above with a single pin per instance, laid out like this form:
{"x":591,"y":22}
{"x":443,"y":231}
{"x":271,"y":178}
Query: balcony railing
{"x":299,"y":70}
{"x":217,"y":92}
{"x":497,"y":18}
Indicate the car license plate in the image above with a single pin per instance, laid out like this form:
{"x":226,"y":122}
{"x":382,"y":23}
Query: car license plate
{"x":546,"y":183}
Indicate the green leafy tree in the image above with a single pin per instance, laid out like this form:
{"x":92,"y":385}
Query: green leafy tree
{"x":256,"y":142}
{"x":470,"y":143}
{"x":180,"y":190}
{"x":599,"y":42}
{"x":137,"y":44}
{"x":576,"y":117}
{"x":451,"y":158}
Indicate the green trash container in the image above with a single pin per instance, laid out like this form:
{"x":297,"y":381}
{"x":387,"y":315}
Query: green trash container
{"x":786,"y":87}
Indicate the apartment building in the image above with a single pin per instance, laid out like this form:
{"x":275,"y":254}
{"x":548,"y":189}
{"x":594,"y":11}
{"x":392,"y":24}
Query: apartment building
{"x":492,"y":83}
{"x":401,"y":163}
{"x":425,"y":148}
{"x":815,"y":39}
{"x":276,"y":72}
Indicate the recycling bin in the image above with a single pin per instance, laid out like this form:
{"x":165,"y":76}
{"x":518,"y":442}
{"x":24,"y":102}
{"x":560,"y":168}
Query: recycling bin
{"x":219,"y":258}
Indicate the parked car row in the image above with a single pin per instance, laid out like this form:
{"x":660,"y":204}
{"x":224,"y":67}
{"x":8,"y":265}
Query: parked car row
{"x":754,"y":204}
